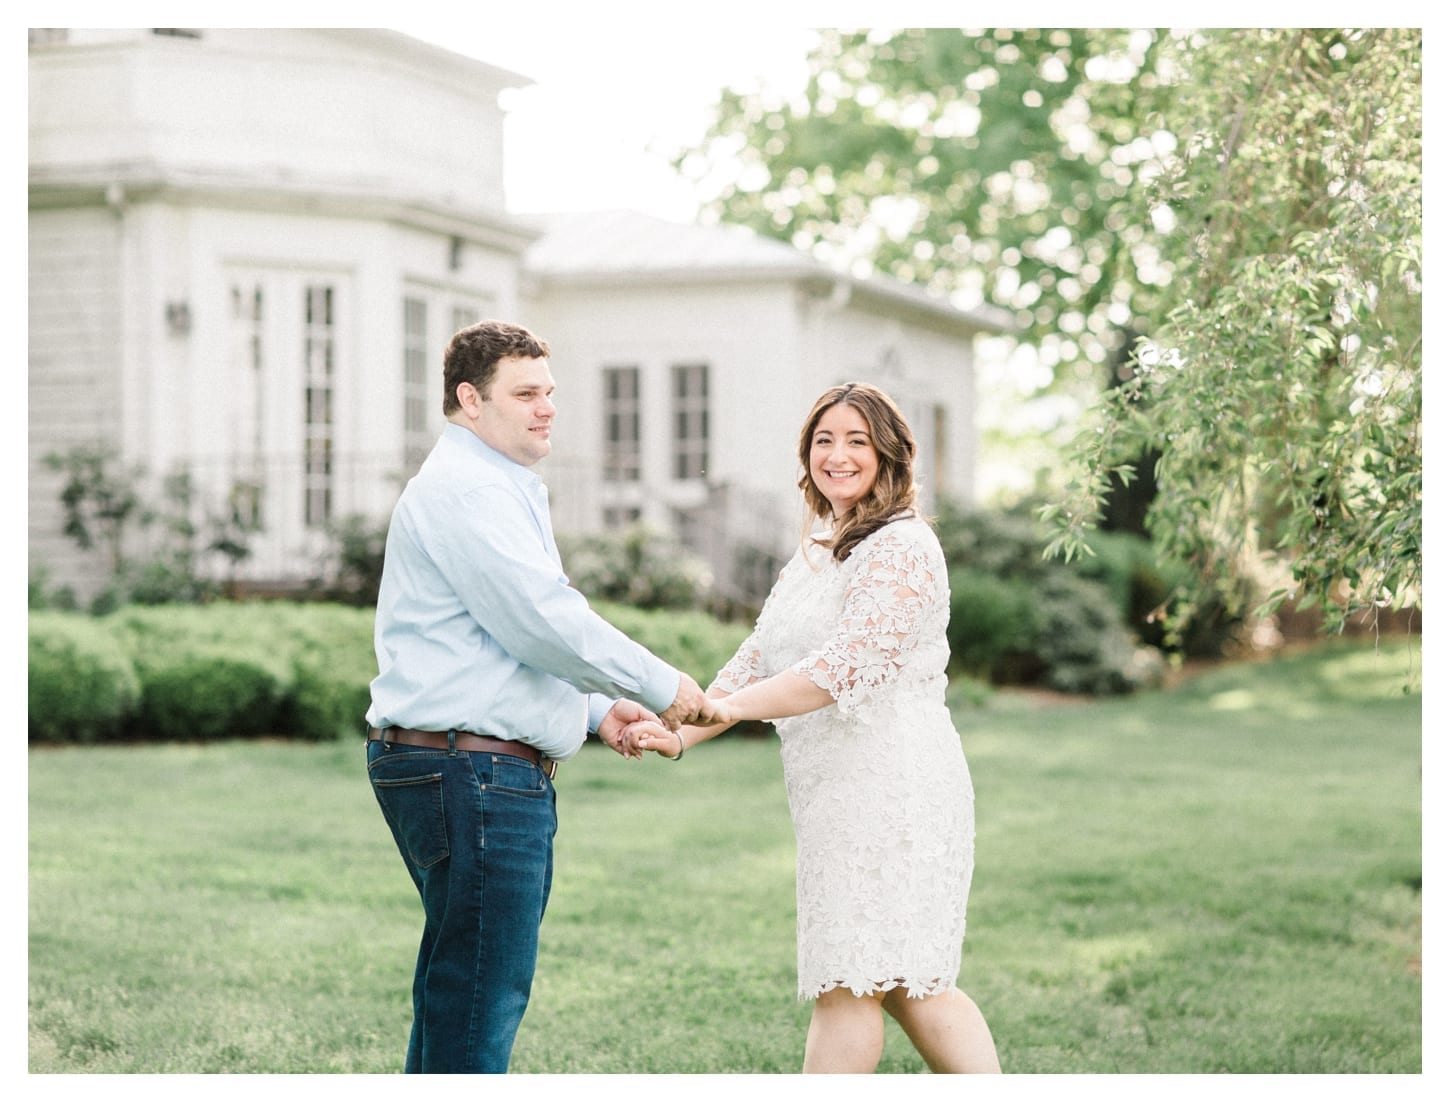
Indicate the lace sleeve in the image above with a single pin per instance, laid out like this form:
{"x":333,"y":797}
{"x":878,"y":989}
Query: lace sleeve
{"x":880,"y":622}
{"x":745,"y":668}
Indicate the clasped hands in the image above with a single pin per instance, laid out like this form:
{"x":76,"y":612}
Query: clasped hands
{"x":630,"y":729}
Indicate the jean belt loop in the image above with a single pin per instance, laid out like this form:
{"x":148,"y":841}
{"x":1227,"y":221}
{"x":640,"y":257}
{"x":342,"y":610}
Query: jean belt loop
{"x":452,"y":749}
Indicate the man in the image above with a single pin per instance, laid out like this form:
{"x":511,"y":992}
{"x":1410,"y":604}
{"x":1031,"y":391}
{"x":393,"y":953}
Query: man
{"x":490,"y":669}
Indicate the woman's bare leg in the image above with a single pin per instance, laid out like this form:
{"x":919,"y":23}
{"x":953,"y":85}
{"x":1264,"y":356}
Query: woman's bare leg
{"x":846,"y":1033}
{"x":948,"y":1030}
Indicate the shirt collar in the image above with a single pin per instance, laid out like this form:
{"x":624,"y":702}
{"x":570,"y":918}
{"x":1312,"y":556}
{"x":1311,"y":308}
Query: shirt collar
{"x":469,"y":441}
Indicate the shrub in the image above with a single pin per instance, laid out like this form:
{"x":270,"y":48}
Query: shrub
{"x":42,"y":595}
{"x":1120,"y":564}
{"x":1002,"y":544}
{"x":694,"y":642}
{"x":299,"y":670}
{"x":993,"y":629}
{"x":210,"y":692}
{"x":207,"y":671}
{"x":1083,"y":644}
{"x":352,"y":566}
{"x":1018,"y":617}
{"x":161,"y":581}
{"x":636,"y":566}
{"x":1144,"y":586}
{"x":228,"y":670}
{"x":107,"y":505}
{"x":333,"y":664}
{"x":82,"y":684}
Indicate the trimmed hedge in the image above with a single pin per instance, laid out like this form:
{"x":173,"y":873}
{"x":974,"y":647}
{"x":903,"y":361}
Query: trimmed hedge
{"x":263,"y":668}
{"x":83,"y":684}
{"x":210,"y":693}
{"x":186,"y":672}
{"x":333,"y":665}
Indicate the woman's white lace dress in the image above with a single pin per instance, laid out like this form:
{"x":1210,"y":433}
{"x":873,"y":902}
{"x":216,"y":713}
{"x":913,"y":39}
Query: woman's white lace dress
{"x":878,"y":786}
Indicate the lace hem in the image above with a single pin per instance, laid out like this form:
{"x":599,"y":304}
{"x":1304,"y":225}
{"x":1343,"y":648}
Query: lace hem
{"x":916,"y":988}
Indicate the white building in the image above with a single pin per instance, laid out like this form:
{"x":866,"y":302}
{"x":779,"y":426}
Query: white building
{"x":248,"y":248}
{"x":687,"y":358}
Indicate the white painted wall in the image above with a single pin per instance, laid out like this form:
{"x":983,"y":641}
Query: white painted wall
{"x":74,"y":384}
{"x":745,"y":332}
{"x":346,"y":110}
{"x":773,"y":347}
{"x":164,"y":171}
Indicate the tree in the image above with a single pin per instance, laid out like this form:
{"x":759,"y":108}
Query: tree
{"x":1250,"y":199}
{"x":987,"y":165}
{"x":1282,"y":386}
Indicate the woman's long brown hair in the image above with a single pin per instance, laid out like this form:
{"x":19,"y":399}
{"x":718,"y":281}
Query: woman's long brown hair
{"x":894,"y":490}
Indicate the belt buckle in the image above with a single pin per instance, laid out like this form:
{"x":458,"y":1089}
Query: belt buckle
{"x":549,"y":766}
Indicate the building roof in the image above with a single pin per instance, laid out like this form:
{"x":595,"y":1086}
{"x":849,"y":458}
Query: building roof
{"x":628,"y":246}
{"x":617,"y":242}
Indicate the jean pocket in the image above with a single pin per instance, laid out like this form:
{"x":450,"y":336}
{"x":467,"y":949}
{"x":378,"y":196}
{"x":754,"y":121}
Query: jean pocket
{"x":515,"y":775}
{"x":414,"y":810}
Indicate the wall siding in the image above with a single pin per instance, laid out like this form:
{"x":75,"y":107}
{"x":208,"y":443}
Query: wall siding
{"x":74,"y":380}
{"x":326,"y":122}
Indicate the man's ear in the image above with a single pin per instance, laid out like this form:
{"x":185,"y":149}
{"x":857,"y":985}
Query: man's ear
{"x":469,"y":399}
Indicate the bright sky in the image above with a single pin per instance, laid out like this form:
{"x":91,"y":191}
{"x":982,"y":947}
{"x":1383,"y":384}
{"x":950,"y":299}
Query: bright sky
{"x":615,"y":97}
{"x":622,"y":85}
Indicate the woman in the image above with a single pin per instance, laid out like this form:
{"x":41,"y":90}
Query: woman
{"x":848,"y":658}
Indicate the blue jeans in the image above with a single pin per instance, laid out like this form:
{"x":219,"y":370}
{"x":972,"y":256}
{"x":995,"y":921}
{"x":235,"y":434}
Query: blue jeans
{"x":476,"y":831}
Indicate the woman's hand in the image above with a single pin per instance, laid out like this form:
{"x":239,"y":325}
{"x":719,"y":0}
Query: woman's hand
{"x":653,"y":735}
{"x":725,"y":712}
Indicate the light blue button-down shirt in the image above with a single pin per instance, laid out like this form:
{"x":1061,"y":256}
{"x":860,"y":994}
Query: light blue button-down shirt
{"x":477,"y":627}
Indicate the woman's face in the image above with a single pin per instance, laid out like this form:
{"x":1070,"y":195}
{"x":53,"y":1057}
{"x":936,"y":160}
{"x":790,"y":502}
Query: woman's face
{"x":843,"y":459}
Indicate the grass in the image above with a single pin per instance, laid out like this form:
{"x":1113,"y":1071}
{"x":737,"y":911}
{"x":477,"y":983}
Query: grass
{"x":1220,"y":878}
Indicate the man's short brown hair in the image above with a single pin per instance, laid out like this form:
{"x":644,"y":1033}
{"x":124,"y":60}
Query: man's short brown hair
{"x":473,"y":354}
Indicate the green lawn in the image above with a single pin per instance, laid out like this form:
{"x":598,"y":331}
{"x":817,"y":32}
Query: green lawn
{"x":1220,"y":878}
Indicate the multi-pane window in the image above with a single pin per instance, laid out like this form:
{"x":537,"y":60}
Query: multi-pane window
{"x":690,"y":527}
{"x":690,"y":394}
{"x":621,"y":424}
{"x":319,"y":353}
{"x":940,"y":479}
{"x":621,"y":516}
{"x":247,"y":346}
{"x":416,"y":441}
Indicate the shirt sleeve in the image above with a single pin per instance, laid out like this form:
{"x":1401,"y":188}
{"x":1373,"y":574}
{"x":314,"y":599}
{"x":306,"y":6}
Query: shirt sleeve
{"x":599,"y":705}
{"x":494,"y":556}
{"x":880,"y":624}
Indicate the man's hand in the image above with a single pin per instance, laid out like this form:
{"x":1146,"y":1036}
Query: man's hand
{"x":691,"y":706}
{"x":620,"y":716}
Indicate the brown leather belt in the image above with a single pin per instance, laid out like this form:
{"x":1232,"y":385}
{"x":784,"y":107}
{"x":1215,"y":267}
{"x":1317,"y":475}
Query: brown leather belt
{"x":463,"y":740}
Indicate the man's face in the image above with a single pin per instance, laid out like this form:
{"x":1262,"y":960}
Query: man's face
{"x":517,"y":415}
